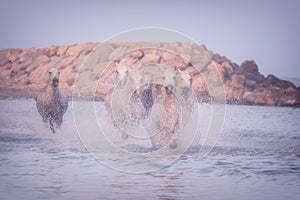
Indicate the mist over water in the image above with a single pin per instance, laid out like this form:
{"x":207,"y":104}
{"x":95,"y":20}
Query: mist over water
{"x":257,"y":157}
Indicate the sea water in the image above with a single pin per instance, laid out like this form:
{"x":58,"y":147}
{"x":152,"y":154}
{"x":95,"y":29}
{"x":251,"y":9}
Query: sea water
{"x":256,"y":157}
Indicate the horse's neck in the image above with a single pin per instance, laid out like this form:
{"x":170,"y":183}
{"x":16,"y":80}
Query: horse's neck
{"x":170,"y":104}
{"x":52,"y":92}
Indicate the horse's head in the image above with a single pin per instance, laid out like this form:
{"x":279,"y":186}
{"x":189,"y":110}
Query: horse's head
{"x":186,"y":79}
{"x":54,"y":76}
{"x":123,"y":72}
{"x":169,"y":80}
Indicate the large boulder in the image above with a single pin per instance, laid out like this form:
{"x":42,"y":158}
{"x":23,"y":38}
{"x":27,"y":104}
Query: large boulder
{"x":76,"y":50}
{"x":257,"y":78}
{"x":219,"y":59}
{"x":228,"y":70}
{"x":14,"y":54}
{"x":250,"y":66}
{"x":238,"y":80}
{"x":250,"y":84}
{"x":150,"y":59}
{"x":52,"y":51}
{"x":61,"y":51}
{"x":199,"y":87}
{"x":173,"y":60}
{"x":272,"y":80}
{"x":239,"y":71}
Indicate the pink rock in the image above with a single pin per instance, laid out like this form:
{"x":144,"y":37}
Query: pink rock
{"x":67,"y":61}
{"x":62,"y":50}
{"x":103,"y":51}
{"x":192,"y":71}
{"x":250,"y":66}
{"x":25,"y":71}
{"x":136,"y":54}
{"x":219,"y":59}
{"x":75,"y":50}
{"x":150,"y":59}
{"x":187,"y":48}
{"x":214,"y":73}
{"x":153,"y":51}
{"x":250,"y":84}
{"x":118,"y":52}
{"x":290,"y":90}
{"x":65,"y":73}
{"x":238,"y":80}
{"x":200,"y":59}
{"x":199,"y":86}
{"x":4,"y":75}
{"x":173,"y":60}
{"x":128,"y":61}
{"x":239,"y":71}
{"x":40,"y":60}
{"x":39,"y":75}
{"x":13,"y":55}
{"x":52,"y":51}
{"x":4,"y":53}
{"x":228,"y":70}
{"x":78,"y":61}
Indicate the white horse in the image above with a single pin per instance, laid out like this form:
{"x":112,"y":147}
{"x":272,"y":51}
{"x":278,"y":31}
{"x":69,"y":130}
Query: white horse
{"x":52,"y":103}
{"x":143,"y":98}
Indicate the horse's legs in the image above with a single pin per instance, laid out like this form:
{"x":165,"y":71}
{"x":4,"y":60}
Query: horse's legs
{"x":173,"y":143}
{"x":51,"y":125}
{"x":44,"y":119}
{"x":58,"y":121}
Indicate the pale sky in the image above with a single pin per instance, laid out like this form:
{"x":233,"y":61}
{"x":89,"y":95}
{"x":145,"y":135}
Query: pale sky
{"x":265,"y":31}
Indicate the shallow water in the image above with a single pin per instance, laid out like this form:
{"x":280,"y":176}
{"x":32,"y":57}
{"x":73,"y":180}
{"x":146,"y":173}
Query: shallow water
{"x":256,"y":157}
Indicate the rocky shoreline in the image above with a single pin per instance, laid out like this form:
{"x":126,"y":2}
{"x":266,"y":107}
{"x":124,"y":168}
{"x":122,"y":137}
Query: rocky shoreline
{"x":23,"y":71}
